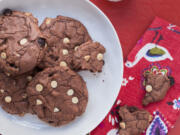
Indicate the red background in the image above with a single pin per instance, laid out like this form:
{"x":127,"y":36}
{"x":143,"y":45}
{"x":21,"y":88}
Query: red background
{"x":132,"y":17}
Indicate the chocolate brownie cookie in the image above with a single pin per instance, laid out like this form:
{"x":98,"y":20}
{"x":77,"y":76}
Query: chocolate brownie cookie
{"x":57,"y":95}
{"x":133,"y":121}
{"x":156,"y":86}
{"x":13,"y":97}
{"x":21,"y":42}
{"x":63,"y":34}
{"x":89,"y":56}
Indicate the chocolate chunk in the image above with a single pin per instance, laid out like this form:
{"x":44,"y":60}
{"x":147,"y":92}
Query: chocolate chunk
{"x":7,"y":12}
{"x":42,"y":41}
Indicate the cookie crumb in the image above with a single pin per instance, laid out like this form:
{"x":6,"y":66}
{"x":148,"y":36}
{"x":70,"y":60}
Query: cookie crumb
{"x":8,"y":99}
{"x":27,"y":14}
{"x":75,"y":100}
{"x":39,"y":87}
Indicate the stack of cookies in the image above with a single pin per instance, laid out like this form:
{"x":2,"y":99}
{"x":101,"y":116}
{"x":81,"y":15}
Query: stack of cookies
{"x":39,"y":65}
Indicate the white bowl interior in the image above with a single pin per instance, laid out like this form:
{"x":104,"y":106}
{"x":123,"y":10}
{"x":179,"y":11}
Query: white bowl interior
{"x":103,"y":87}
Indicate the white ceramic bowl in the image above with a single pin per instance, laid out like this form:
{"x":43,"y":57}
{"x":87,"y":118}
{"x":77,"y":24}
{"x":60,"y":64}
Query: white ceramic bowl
{"x":103,"y":87}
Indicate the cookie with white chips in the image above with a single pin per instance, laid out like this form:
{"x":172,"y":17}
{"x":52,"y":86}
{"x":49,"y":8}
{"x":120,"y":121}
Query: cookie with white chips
{"x":57,"y":95}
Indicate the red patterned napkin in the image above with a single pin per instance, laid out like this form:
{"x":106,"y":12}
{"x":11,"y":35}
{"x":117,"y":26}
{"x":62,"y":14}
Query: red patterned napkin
{"x":165,"y":37}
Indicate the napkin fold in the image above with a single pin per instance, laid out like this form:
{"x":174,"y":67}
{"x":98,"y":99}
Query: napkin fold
{"x":158,"y":51}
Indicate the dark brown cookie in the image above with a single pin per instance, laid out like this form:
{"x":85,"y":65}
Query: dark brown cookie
{"x":57,"y":95}
{"x":21,"y":42}
{"x":89,"y":56}
{"x":63,"y":34}
{"x":133,"y":120}
{"x":156,"y":86}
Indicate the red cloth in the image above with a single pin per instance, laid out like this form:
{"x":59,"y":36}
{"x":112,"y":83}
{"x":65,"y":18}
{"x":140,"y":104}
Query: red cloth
{"x":132,"y":17}
{"x":165,"y":36}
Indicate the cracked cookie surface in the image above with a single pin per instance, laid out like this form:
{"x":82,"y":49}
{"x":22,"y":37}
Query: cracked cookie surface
{"x":13,"y":97}
{"x":89,"y":56}
{"x":57,"y":95}
{"x":63,"y":34}
{"x":21,"y":42}
{"x":156,"y":86}
{"x":133,"y":121}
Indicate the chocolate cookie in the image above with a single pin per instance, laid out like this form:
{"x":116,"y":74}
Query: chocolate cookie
{"x":21,"y":42}
{"x":156,"y":86}
{"x":133,"y":120}
{"x":63,"y":34}
{"x":89,"y":56}
{"x":57,"y":95}
{"x":13,"y":97}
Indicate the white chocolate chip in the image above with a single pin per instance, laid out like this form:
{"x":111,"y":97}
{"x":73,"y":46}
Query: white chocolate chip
{"x":3,"y":55}
{"x":56,"y":109}
{"x":8,"y":99}
{"x":29,"y":78}
{"x":48,"y":21}
{"x":23,"y":41}
{"x":63,"y":64}
{"x":65,"y":51}
{"x":1,"y":90}
{"x":39,"y":87}
{"x":122,"y":125}
{"x":75,"y":100}
{"x":100,"y":56}
{"x":70,"y":92}
{"x":66,"y":40}
{"x":87,"y":57}
{"x":148,"y":88}
{"x":75,"y":49}
{"x":27,"y":14}
{"x":54,"y":84}
{"x":24,"y":95}
{"x":8,"y":74}
{"x":38,"y":102}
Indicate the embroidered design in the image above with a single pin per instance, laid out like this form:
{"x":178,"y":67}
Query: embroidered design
{"x":113,"y":132}
{"x":175,"y":104}
{"x":152,"y":52}
{"x":124,"y":82}
{"x":157,"y":126}
{"x":113,"y":115}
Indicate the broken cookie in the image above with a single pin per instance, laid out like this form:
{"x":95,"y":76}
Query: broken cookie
{"x":89,"y":56}
{"x":133,"y":121}
{"x":156,"y":86}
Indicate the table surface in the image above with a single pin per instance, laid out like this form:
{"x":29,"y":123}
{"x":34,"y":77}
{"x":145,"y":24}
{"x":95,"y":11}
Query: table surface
{"x":132,"y":17}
